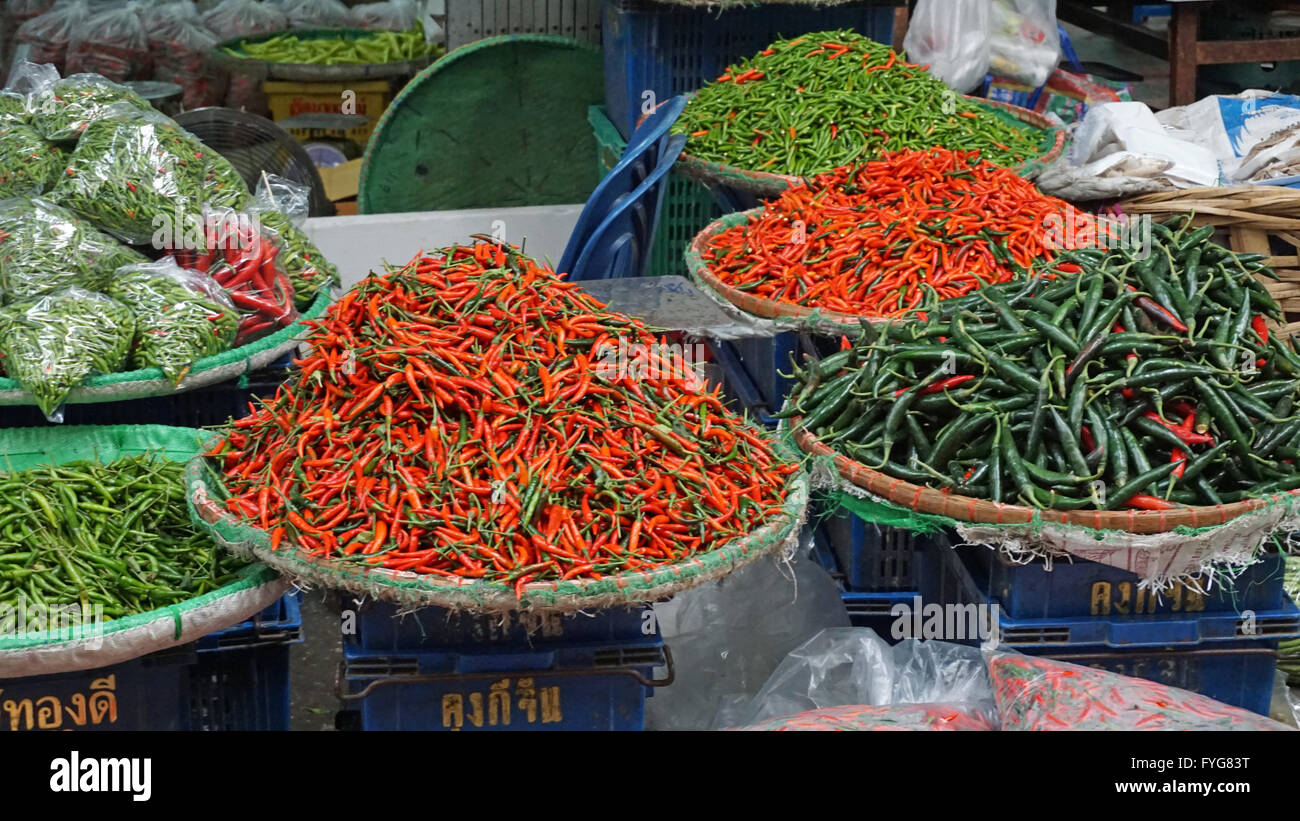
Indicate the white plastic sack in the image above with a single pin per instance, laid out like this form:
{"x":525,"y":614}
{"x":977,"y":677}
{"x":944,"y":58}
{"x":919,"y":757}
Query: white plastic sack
{"x":727,"y":637}
{"x":1024,"y":44}
{"x":1231,"y":127}
{"x":854,"y":666}
{"x":952,"y":38}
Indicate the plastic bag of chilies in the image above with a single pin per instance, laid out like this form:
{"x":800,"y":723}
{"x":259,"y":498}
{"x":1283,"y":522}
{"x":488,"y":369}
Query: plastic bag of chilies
{"x":245,"y":18}
{"x":49,"y":34}
{"x":1035,"y":693}
{"x":180,"y":45}
{"x":390,"y":15}
{"x":317,"y":14}
{"x":111,"y":43}
{"x":865,"y":717}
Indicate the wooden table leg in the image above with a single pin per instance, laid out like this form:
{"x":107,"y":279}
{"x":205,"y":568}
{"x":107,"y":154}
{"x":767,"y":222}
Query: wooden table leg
{"x":1182,"y":53}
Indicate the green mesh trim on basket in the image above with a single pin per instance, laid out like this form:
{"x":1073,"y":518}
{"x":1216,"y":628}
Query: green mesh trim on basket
{"x":283,"y":338}
{"x":23,"y":448}
{"x":205,"y":491}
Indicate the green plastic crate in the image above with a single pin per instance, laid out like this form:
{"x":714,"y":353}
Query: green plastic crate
{"x":687,"y":207}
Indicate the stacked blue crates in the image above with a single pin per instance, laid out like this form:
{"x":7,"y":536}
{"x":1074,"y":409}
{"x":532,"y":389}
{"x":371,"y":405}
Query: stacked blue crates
{"x":434,"y":669}
{"x":235,"y":679}
{"x":1221,"y":643}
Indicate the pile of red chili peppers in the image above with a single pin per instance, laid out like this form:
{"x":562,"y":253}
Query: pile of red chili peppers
{"x":876,"y":239}
{"x":452,"y":420}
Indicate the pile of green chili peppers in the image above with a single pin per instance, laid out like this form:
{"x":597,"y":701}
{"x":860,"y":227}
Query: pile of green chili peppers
{"x":116,"y":535}
{"x":831,"y":98}
{"x":45,"y":247}
{"x":65,"y":110}
{"x":28,"y":163}
{"x":1136,"y":377}
{"x":374,"y":48}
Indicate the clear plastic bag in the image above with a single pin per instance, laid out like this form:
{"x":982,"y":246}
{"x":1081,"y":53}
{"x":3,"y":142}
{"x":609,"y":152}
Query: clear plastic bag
{"x":181,"y":46}
{"x":952,"y":38}
{"x":244,"y":18}
{"x":50,"y":34}
{"x":111,"y":43}
{"x":728,"y":637}
{"x":280,"y":204}
{"x":317,"y":14}
{"x":1035,"y":693}
{"x":45,"y":248}
{"x":239,"y":256}
{"x":860,"y":717}
{"x":61,"y":109}
{"x":52,"y":343}
{"x":29,"y":164}
{"x":13,"y":108}
{"x":389,"y":15}
{"x":140,"y":173}
{"x":181,"y":315}
{"x":22,"y":10}
{"x":1024,"y":44}
{"x":854,"y":666}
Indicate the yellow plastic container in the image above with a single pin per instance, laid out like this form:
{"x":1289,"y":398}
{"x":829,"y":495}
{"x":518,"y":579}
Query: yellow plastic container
{"x":368,"y":99}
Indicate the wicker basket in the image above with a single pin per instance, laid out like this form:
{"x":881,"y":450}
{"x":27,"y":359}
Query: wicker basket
{"x":1252,"y":219}
{"x":766,"y":184}
{"x":981,"y":511}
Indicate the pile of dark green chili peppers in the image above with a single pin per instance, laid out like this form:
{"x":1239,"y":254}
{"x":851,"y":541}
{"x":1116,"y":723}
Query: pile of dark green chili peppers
{"x":807,"y":105}
{"x":117,"y":535}
{"x":1126,"y":380}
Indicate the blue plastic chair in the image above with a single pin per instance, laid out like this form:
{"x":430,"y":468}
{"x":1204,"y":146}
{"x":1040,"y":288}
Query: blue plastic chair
{"x":641,"y":159}
{"x":620,"y":245}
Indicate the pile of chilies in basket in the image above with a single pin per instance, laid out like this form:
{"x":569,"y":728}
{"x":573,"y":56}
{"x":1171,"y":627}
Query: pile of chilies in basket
{"x":880,"y":238}
{"x":467,"y":416}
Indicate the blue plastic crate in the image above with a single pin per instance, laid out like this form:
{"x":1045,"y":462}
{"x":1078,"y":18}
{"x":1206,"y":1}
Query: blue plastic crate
{"x":1084,"y":588}
{"x":382,"y":627}
{"x":577,"y":687}
{"x":875,"y":558}
{"x":670,"y":50}
{"x":1226,"y":656}
{"x":208,"y":405}
{"x":768,"y":362}
{"x":240,"y":680}
{"x":147,"y":693}
{"x":873,"y":610}
{"x":738,"y":386}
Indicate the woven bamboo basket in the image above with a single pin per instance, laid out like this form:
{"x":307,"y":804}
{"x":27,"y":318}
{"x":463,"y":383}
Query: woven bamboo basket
{"x":982,"y":511}
{"x":1252,"y":219}
{"x":766,"y":184}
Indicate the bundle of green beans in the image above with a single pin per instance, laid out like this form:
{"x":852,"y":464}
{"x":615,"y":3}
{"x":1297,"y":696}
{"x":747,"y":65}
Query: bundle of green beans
{"x":28,"y":163}
{"x":1288,"y":651}
{"x":302,"y":261}
{"x":807,"y":105}
{"x":182,"y":316}
{"x":117,"y":535}
{"x":130,"y":174}
{"x":1128,"y":380}
{"x":375,"y":48}
{"x":44,"y":247}
{"x":52,"y":343}
{"x":64,"y":110}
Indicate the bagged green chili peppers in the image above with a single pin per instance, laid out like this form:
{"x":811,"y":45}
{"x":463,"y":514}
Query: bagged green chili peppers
{"x":63,"y":109}
{"x":13,"y":108}
{"x":28,"y":163}
{"x":44,"y":248}
{"x":52,"y":343}
{"x":182,"y":315}
{"x":132,"y":172}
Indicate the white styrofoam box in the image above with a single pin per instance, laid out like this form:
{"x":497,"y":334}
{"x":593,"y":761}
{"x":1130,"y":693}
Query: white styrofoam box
{"x":361,"y":244}
{"x":470,"y":20}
